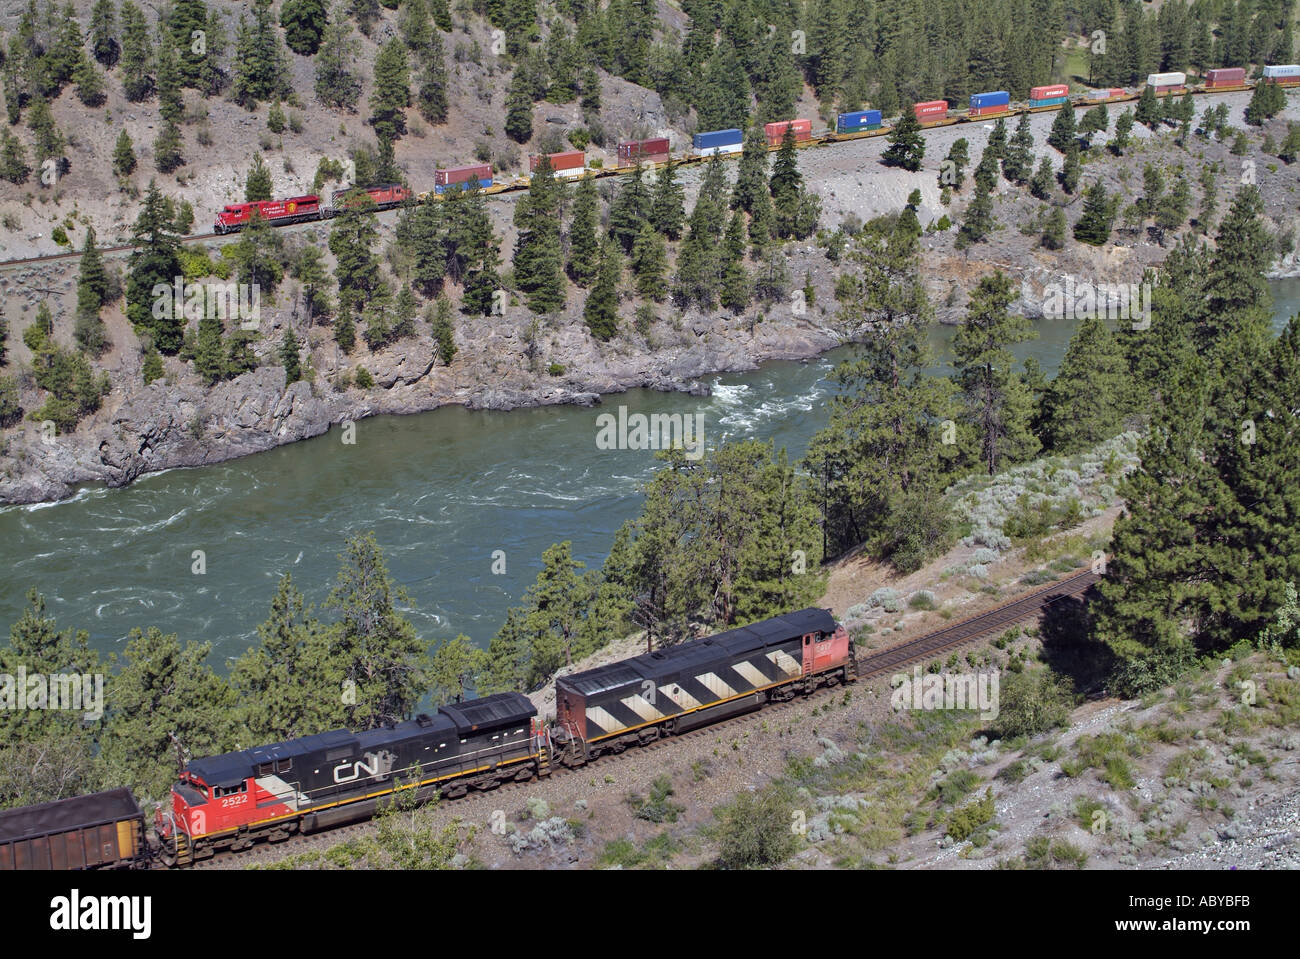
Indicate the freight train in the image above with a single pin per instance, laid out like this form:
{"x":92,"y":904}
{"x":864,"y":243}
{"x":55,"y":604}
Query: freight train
{"x":270,"y":793}
{"x":853,"y":125}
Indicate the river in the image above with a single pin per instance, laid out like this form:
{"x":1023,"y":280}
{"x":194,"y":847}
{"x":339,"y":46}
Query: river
{"x":443,"y":491}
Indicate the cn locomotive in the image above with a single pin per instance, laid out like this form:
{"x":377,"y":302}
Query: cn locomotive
{"x":231,"y":801}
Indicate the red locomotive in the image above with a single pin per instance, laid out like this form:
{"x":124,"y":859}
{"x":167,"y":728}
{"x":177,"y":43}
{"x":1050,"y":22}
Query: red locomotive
{"x":234,"y":216}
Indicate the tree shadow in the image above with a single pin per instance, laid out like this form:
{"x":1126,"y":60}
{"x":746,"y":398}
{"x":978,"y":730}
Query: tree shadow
{"x":1068,"y":646}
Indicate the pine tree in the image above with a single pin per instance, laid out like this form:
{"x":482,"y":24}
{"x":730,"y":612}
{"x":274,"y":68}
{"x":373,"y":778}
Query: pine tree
{"x":1054,"y":229}
{"x":667,"y":206}
{"x":123,"y":155}
{"x":1070,"y":171}
{"x":601,"y":309}
{"x":907,"y":145}
{"x":392,"y":93}
{"x":90,"y":84}
{"x":289,"y":357}
{"x":584,"y":247}
{"x":735,"y":290}
{"x":1085,"y":403}
{"x":1062,"y":133}
{"x":171,"y":107}
{"x":984,"y":363}
{"x":351,"y":238}
{"x":210,"y":356}
{"x":167,"y":148}
{"x":1098,"y":215}
{"x":538,"y":254}
{"x":752,"y":176}
{"x":103,"y":33}
{"x":257,"y":185}
{"x":154,"y":263}
{"x":1018,"y":164}
{"x":443,"y":332}
{"x":93,"y":287}
{"x":211,"y":77}
{"x":152,"y":367}
{"x":431,"y":81}
{"x":1266,"y":101}
{"x":953,"y":170}
{"x":261,"y":72}
{"x":187,"y":17}
{"x":519,"y":108}
{"x":49,"y":140}
{"x":1040,"y":187}
{"x":13,"y":158}
{"x":650,"y":263}
{"x":630,"y":208}
{"x":137,"y":60}
{"x":304,"y":23}
{"x":1148,"y":108}
{"x":997,"y":141}
{"x":345,"y":328}
{"x":1123,"y":130}
{"x":337,"y":84}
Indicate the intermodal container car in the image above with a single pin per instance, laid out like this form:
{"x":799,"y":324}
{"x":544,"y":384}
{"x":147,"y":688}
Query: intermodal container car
{"x":984,"y":104}
{"x":857,"y":121}
{"x":718,"y":141}
{"x":571,"y":163}
{"x":775,"y":132}
{"x":462,"y":177}
{"x":101,"y":831}
{"x":1166,"y":81}
{"x":930,"y":110}
{"x":384,"y":197}
{"x":1225,"y":77}
{"x":1105,"y":94}
{"x":1283,"y":73}
{"x":655,"y":150}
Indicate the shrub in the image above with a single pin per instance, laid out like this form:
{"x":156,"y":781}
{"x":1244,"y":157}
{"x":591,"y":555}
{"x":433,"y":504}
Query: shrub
{"x":364,"y":379}
{"x":656,"y":808}
{"x":966,"y":820}
{"x":1031,"y":703}
{"x":556,"y":369}
{"x":756,"y":830}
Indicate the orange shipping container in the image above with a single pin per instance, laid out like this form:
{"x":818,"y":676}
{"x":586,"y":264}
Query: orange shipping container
{"x":572,"y":160}
{"x":930,"y":109}
{"x":776,"y":131}
{"x":1049,"y":91}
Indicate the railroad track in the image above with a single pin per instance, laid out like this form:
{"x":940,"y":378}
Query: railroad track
{"x":821,"y":138}
{"x":871,"y":666}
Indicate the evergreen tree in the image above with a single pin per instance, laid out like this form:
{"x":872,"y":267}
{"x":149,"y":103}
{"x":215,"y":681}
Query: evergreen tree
{"x":1018,"y":164}
{"x":519,"y":108}
{"x":584,"y":247}
{"x":1040,"y":186}
{"x":257,"y":185}
{"x":167,"y":148}
{"x":953,"y":171}
{"x":1266,"y":101}
{"x":431,"y":80}
{"x":1123,"y":130}
{"x":1070,"y":171}
{"x":1148,"y":108}
{"x":187,"y":17}
{"x":735,"y":290}
{"x":93,"y":286}
{"x":1098,"y":215}
{"x":601,"y":309}
{"x":538,"y":256}
{"x":1062,"y":133}
{"x":152,"y":367}
{"x":1086,"y":402}
{"x":155,"y":263}
{"x":90,"y":84}
{"x":304,"y":23}
{"x":392,"y":93}
{"x":996,"y":400}
{"x":210,"y":355}
{"x":351,"y":239}
{"x":751,"y":178}
{"x":631,"y":208}
{"x":103,"y":33}
{"x":667,"y":206}
{"x":906,"y":144}
{"x":261,"y":72}
{"x":650,"y":263}
{"x":443,"y":332}
{"x":289,"y":357}
{"x":123,"y":155}
{"x":337,"y":84}
{"x":13,"y":159}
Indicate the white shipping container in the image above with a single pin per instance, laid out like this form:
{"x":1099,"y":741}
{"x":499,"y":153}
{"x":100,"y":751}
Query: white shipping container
{"x":1279,"y":72}
{"x":725,"y":148}
{"x":1166,"y":79}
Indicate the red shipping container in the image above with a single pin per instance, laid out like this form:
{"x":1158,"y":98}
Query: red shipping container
{"x":930,"y":109}
{"x":462,"y":174}
{"x":990,"y":111}
{"x":654,"y":150}
{"x":571,"y":160}
{"x":1050,"y":91}
{"x":776,"y":131}
{"x":1226,"y":77}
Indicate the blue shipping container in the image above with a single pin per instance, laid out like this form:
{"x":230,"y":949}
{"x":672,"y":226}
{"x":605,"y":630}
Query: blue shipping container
{"x":1048,"y":102}
{"x":483,"y":185}
{"x":998,"y":98}
{"x":717,"y":138}
{"x":857,"y":120}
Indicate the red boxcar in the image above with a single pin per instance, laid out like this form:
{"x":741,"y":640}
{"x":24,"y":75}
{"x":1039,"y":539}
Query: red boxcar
{"x":564,"y":163}
{"x":931,"y":109}
{"x":293,"y":210}
{"x":1225,"y":77}
{"x":776,"y":131}
{"x":1049,"y":91}
{"x":655,"y":150}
